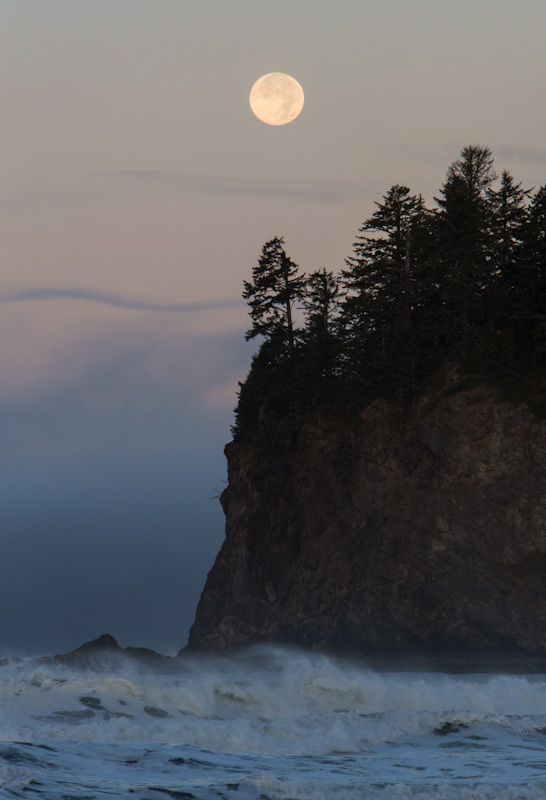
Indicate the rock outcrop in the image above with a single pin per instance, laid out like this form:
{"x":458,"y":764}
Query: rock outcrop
{"x":384,"y":535}
{"x":105,"y":654}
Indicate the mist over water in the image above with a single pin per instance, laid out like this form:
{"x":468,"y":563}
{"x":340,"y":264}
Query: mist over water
{"x":106,"y":544}
{"x":270,"y":723}
{"x":112,"y":463}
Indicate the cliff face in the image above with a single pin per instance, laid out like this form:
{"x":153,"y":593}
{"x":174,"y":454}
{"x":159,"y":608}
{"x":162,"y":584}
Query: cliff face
{"x":384,"y":536}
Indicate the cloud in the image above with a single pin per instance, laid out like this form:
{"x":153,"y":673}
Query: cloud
{"x":111,"y":299}
{"x":305,"y":190}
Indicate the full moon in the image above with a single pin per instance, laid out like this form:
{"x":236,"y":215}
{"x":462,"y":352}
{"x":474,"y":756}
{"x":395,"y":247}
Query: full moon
{"x":276,"y":98}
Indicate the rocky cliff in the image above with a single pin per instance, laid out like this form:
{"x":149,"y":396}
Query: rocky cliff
{"x":386,"y":535}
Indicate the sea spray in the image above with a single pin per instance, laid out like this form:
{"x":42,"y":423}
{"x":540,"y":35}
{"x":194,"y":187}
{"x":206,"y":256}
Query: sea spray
{"x":274,"y":723}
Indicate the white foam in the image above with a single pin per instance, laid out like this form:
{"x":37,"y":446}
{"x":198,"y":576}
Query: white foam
{"x":288,"y":724}
{"x":262,"y":703}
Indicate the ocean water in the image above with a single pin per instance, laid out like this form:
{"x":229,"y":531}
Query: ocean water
{"x":269,"y":724}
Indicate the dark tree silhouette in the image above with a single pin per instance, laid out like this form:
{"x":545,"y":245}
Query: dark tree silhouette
{"x":462,"y":259}
{"x":275,"y":287}
{"x":377,"y":311}
{"x":530,"y":311}
{"x":321,"y":309}
{"x":458,"y":290}
{"x":270,"y":390}
{"x":508,"y":219}
{"x":475,"y":168}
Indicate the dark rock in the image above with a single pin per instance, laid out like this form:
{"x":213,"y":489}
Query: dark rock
{"x":105,"y":653}
{"x":146,"y":656}
{"x":387,"y":537}
{"x":156,"y":712}
{"x":101,"y":653}
{"x":449,"y":727}
{"x":94,"y":703}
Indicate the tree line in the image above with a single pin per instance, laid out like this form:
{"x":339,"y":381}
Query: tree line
{"x":462,"y":283}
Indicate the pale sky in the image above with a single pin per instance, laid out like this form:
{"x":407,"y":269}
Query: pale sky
{"x":134,"y":171}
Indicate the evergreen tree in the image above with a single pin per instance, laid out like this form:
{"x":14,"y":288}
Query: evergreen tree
{"x":275,"y":287}
{"x":502,"y":339}
{"x":462,"y":286}
{"x":271,"y":386}
{"x":378,"y":282}
{"x":264,"y":396}
{"x":462,"y":260}
{"x":508,"y":218}
{"x":321,"y":344}
{"x":319,"y":303}
{"x":475,"y":168}
{"x":529,"y":310}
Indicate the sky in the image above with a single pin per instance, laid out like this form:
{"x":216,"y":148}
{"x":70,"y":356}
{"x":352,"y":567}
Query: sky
{"x":137,"y":190}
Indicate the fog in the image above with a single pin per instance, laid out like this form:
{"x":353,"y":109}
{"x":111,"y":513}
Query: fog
{"x":112,"y":464}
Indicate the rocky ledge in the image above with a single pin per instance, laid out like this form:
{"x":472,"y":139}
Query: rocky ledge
{"x":387,"y":537}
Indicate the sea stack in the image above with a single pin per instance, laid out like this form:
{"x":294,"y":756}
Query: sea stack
{"x":386,"y":533}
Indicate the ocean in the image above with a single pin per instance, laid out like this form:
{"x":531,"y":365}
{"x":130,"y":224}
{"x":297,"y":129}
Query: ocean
{"x":268,"y":724}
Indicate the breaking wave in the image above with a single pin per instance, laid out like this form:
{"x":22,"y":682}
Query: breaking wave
{"x":275,"y":724}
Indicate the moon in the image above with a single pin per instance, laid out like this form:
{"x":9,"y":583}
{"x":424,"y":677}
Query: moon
{"x":276,"y":98}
